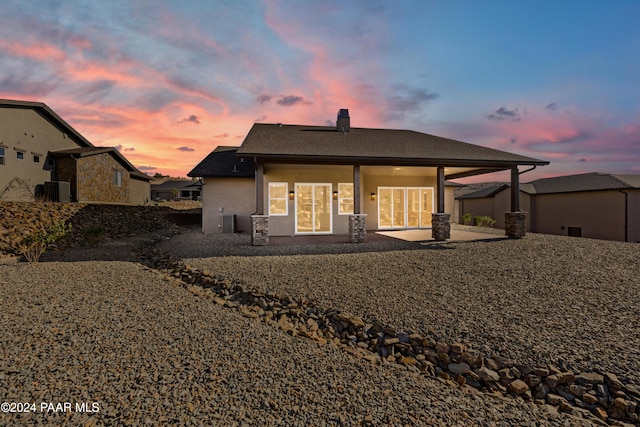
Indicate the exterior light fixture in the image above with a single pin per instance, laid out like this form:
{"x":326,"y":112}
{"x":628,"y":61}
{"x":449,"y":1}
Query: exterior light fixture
{"x":291,"y":195}
{"x":335,"y":195}
{"x":373,"y":197}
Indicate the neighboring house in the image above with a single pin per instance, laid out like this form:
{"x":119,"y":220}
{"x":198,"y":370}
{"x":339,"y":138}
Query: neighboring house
{"x":176,"y":189}
{"x":42,"y":155}
{"x":594,"y":205}
{"x":341,"y":180}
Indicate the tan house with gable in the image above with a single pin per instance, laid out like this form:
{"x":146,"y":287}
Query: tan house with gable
{"x":314,"y":180}
{"x":594,"y":205}
{"x":42,"y":155}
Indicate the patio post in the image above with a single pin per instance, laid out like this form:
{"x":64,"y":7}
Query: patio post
{"x":440,"y":221}
{"x":259,"y":221}
{"x":357,"y":221}
{"x":515,"y":221}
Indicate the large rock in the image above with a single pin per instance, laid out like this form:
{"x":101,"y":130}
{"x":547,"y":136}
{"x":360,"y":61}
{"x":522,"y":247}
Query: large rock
{"x":488,"y":375}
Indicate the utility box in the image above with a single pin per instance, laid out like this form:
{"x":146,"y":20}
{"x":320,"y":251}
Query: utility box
{"x":57,"y":191}
{"x":228,"y":223}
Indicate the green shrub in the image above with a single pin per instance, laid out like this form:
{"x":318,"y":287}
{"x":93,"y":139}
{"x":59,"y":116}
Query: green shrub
{"x":466,"y":219}
{"x":484,"y":221}
{"x":34,"y":245}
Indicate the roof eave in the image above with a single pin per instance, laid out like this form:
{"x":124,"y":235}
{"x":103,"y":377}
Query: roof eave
{"x":397,"y":161}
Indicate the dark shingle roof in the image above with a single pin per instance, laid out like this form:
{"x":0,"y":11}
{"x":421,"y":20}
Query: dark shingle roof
{"x":174,"y":184}
{"x":485,"y":192}
{"x":593,"y":181}
{"x":223,"y":162}
{"x":584,"y":182}
{"x":370,"y":146}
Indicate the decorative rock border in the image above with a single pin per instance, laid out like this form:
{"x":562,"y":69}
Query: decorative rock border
{"x":601,"y":397}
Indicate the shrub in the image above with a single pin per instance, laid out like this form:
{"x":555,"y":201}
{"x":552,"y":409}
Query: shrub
{"x":34,"y":245}
{"x":466,"y":219}
{"x":484,"y":221}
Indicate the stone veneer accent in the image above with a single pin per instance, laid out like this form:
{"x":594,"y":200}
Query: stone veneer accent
{"x":260,"y":230}
{"x":515,"y":224}
{"x":357,"y":228}
{"x":441,"y":226}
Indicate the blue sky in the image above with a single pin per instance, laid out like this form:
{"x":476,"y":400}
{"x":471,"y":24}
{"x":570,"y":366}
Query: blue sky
{"x":168,"y":81}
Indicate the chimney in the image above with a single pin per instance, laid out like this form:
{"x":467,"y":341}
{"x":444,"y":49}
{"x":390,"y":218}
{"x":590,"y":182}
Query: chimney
{"x":343,"y":124}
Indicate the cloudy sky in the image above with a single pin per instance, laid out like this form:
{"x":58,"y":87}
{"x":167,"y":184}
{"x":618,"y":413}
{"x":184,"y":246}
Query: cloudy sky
{"x":168,"y":81}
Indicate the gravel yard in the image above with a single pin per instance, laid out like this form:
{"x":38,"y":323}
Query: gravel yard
{"x":543,"y":299}
{"x":148,"y":352}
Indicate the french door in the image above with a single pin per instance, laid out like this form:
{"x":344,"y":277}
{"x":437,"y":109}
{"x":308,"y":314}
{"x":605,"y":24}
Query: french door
{"x":404,"y":207}
{"x":313,"y":209}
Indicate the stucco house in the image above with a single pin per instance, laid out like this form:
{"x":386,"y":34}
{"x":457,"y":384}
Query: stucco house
{"x":175,"y":189}
{"x":310,"y":180}
{"x":594,"y":205}
{"x":42,"y":155}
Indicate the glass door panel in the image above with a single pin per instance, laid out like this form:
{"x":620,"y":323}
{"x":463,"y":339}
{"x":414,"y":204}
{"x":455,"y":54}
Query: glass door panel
{"x":384,"y":208}
{"x":398,"y":208}
{"x":322,"y":208}
{"x":413,"y":207}
{"x":304,"y":209}
{"x":426,"y":206}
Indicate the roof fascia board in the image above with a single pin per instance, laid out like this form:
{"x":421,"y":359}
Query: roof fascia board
{"x":394,"y":161}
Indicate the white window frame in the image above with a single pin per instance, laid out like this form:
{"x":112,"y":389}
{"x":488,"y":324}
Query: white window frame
{"x":117,"y":178}
{"x":340,"y":198}
{"x":18,"y":153}
{"x":285,"y":198}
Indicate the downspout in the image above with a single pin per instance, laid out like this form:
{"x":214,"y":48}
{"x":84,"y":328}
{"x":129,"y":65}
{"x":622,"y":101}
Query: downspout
{"x":626,"y":215}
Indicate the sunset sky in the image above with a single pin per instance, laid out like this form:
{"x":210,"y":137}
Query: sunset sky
{"x":168,"y":81}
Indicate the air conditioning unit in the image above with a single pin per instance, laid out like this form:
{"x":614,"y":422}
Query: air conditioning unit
{"x":57,"y":191}
{"x":228,"y":223}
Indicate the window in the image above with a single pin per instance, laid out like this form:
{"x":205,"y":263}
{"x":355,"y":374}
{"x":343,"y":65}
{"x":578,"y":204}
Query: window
{"x":36,"y":158}
{"x":117,"y":178}
{"x":345,"y":199}
{"x":278,"y":204}
{"x":1,"y":156}
{"x":19,"y":155}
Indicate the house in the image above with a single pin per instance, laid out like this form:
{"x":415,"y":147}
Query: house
{"x":343,"y":180}
{"x":227,"y":191}
{"x":175,"y":189}
{"x":594,"y":205}
{"x":42,"y":155}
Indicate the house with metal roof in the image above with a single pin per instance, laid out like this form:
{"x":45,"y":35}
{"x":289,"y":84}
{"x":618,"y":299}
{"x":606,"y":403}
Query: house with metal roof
{"x":42,"y":155}
{"x":594,"y":205}
{"x":313,"y":180}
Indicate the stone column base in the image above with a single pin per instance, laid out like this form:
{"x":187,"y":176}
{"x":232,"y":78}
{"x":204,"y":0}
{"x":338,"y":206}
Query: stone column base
{"x":357,"y":228}
{"x":259,"y":230}
{"x":515,"y":224}
{"x":441,"y":226}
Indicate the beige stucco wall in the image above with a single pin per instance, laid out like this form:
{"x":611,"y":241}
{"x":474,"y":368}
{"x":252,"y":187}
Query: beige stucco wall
{"x":285,"y":225}
{"x":25,"y":130}
{"x":496,"y":207}
{"x":236,"y":196}
{"x":139,"y":192}
{"x":600,"y":214}
{"x":634,"y":215}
